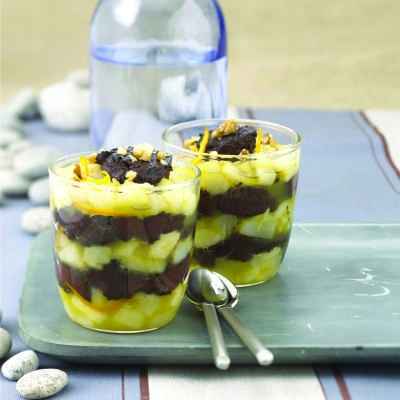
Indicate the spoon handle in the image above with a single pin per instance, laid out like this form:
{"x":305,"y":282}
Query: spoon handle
{"x":221,"y":357}
{"x":262,"y":354}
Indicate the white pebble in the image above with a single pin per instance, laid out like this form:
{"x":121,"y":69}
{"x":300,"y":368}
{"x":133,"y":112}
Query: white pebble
{"x":133,"y":122}
{"x":11,"y":184}
{"x":33,"y":162}
{"x":19,"y":146}
{"x":5,"y":343}
{"x":65,"y":106}
{"x":79,"y":77}
{"x":36,"y":220}
{"x":23,"y":104}
{"x":6,"y":159}
{"x":8,"y":120}
{"x":39,"y":191}
{"x":42,"y":383}
{"x":8,"y":136}
{"x":19,"y":365}
{"x":182,"y":98}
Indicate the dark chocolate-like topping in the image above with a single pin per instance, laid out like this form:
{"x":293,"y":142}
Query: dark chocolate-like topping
{"x":242,"y":201}
{"x":118,"y":283}
{"x":243,"y":139}
{"x":117,"y":165}
{"x":150,"y":171}
{"x":238,"y":247}
{"x":247,"y":201}
{"x":91,"y":230}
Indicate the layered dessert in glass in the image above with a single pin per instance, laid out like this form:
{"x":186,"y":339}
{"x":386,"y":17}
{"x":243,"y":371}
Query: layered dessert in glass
{"x":249,"y":172}
{"x":124,"y":223}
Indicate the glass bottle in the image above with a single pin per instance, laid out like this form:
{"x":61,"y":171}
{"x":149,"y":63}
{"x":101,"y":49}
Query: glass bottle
{"x":155,"y":63}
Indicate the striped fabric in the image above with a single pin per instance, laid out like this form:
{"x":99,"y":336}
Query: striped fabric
{"x":377,"y":134}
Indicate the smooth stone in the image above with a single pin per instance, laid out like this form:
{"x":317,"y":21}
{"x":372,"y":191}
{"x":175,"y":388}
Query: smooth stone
{"x":6,"y":159}
{"x":8,"y":136}
{"x":34,"y":162}
{"x":8,"y":120}
{"x":137,"y":124}
{"x":39,"y":192}
{"x":184,"y":98}
{"x":24,"y":104}
{"x":5,"y":343}
{"x":11,"y":184}
{"x":79,"y":77}
{"x":20,"y":364}
{"x":65,"y":106}
{"x":42,"y":383}
{"x":36,"y":220}
{"x":19,"y":146}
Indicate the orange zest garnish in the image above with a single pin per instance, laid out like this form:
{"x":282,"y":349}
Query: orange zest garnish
{"x":204,"y":141}
{"x":203,"y":144}
{"x":259,"y":140}
{"x":84,"y":167}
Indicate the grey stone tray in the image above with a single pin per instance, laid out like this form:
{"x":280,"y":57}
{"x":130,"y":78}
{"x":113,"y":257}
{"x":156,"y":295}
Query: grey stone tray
{"x":337,"y":299}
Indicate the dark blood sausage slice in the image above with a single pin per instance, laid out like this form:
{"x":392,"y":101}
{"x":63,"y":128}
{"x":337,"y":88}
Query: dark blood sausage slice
{"x":292,"y":185}
{"x":117,"y":165}
{"x":242,"y":201}
{"x":99,"y":230}
{"x":208,"y":204}
{"x":237,"y":247}
{"x":247,"y":201}
{"x":118,"y":283}
{"x":243,"y":138}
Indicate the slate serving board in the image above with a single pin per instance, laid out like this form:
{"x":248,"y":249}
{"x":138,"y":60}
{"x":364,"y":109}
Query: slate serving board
{"x":337,"y":299}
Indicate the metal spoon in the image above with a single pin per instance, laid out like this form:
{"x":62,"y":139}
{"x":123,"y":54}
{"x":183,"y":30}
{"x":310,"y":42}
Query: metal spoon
{"x":206,"y":291}
{"x":262,"y":354}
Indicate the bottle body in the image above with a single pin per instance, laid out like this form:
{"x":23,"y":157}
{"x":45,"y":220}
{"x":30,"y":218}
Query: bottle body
{"x":153,"y":64}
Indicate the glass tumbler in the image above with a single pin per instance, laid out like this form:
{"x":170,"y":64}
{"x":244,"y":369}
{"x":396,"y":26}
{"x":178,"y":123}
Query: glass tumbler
{"x":246,"y":202}
{"x":122,"y":254}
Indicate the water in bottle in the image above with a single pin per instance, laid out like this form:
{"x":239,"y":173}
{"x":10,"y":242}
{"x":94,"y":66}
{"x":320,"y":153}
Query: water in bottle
{"x":155,"y":63}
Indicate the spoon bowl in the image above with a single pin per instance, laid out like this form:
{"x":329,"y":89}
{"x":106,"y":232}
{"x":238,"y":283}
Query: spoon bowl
{"x":232,"y":290}
{"x":207,"y":287}
{"x":206,"y":291}
{"x":211,"y":289}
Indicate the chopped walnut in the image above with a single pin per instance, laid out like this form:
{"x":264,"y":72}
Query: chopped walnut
{"x":191,"y":143}
{"x":130,"y":176}
{"x":226,"y":128}
{"x":94,"y":170}
{"x":160,"y":155}
{"x":77,"y":172}
{"x":143,"y":152}
{"x":270,"y":141}
{"x":92,"y":157}
{"x":122,"y":151}
{"x":213,"y":154}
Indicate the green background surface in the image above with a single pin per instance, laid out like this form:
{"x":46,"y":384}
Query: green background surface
{"x":336,"y":299}
{"x":306,"y":53}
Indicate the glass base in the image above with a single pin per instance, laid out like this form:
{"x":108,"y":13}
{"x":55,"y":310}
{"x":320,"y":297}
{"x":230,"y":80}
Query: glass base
{"x":243,"y":285}
{"x":141,"y":313}
{"x":109,"y":331}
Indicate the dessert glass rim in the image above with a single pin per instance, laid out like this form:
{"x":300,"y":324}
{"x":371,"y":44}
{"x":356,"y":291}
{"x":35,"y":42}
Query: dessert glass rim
{"x":289,"y":148}
{"x":62,"y":161}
